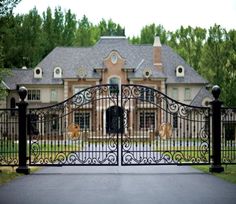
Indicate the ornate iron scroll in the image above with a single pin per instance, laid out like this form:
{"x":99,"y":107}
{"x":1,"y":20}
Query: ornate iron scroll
{"x":228,"y":135}
{"x":187,"y":141}
{"x":73,"y":132}
{"x":9,"y":137}
{"x":153,"y":129}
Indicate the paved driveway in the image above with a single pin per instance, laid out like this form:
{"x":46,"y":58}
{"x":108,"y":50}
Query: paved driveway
{"x":121,"y":185}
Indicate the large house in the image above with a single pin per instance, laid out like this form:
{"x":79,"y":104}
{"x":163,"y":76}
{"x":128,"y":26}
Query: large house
{"x":66,"y":70}
{"x":112,"y":60}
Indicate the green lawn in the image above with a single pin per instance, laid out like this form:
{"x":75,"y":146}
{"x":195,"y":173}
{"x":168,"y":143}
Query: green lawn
{"x":9,"y":173}
{"x":229,"y":173}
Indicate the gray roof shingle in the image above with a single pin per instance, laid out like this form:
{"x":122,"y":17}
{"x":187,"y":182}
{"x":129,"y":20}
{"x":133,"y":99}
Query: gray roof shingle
{"x":170,"y":61}
{"x":72,"y":58}
{"x":201,"y":95}
{"x":25,"y":76}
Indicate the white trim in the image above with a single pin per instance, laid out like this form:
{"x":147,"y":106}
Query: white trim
{"x":114,"y":52}
{"x":145,"y":71}
{"x":139,"y":65}
{"x":206,"y":99}
{"x":40,"y":75}
{"x":80,"y":86}
{"x":112,"y":37}
{"x":157,"y":42}
{"x":55,"y":75}
{"x":5,"y":85}
{"x":178,"y":74}
{"x":84,"y":112}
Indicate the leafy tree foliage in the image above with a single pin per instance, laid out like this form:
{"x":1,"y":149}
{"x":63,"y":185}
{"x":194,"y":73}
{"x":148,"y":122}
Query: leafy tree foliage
{"x":26,"y":39}
{"x":110,"y":28}
{"x":6,"y":6}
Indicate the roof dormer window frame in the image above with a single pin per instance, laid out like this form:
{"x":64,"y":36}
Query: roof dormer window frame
{"x":57,"y":72}
{"x":180,"y":72}
{"x":38,"y":73}
{"x":114,"y":57}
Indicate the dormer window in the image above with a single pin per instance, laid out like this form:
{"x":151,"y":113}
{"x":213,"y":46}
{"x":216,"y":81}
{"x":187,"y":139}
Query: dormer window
{"x":180,"y":71}
{"x":206,"y":102}
{"x":57,"y":72}
{"x":38,"y":73}
{"x":147,"y":73}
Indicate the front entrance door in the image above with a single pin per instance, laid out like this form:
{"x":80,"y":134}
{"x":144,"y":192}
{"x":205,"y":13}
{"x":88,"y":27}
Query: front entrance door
{"x":114,"y":120}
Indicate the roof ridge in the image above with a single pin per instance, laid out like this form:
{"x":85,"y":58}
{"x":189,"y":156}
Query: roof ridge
{"x":197,"y":94}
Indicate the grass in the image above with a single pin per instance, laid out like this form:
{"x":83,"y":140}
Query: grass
{"x":229,"y":173}
{"x":8,"y":174}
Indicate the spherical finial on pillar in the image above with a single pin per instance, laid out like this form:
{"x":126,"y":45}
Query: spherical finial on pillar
{"x":22,"y":93}
{"x":216,"y":91}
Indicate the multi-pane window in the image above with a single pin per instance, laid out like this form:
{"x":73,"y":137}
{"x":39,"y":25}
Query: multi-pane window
{"x":187,"y":94}
{"x":175,"y":93}
{"x":83,"y":93}
{"x":147,"y":94}
{"x":34,"y":95}
{"x":78,"y":89}
{"x":82,"y":119}
{"x":114,"y":81}
{"x":147,"y":120}
{"x":53,"y":94}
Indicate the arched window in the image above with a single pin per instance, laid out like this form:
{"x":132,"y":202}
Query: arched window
{"x":57,"y":73}
{"x":38,"y":73}
{"x":114,"y":81}
{"x":180,"y":71}
{"x":13,"y":102}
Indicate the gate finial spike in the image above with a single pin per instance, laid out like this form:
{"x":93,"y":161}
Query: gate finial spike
{"x":216,"y":91}
{"x":22,"y":92}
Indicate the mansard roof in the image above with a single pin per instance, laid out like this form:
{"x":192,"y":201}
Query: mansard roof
{"x":137,"y":58}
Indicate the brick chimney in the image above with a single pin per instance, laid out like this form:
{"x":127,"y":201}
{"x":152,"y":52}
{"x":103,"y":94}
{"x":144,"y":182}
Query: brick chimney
{"x":157,"y":53}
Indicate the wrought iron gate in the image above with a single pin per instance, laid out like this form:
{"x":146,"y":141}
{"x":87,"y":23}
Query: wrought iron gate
{"x":101,"y":125}
{"x":160,"y":130}
{"x":78,"y":131}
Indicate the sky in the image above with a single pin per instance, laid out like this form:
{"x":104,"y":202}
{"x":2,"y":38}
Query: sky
{"x":135,"y":14}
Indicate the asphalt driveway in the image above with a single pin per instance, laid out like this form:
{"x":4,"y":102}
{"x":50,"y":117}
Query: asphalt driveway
{"x":118,"y":185}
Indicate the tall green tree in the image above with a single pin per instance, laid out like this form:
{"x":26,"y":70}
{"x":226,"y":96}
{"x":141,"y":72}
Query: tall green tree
{"x":32,"y":48}
{"x":3,"y":74}
{"x":11,"y":40}
{"x":84,"y":33}
{"x":162,"y":33}
{"x":188,"y":42}
{"x":110,"y":28}
{"x":48,"y":31}
{"x":214,"y":56}
{"x":198,"y":40}
{"x":69,"y":31}
{"x":58,"y":26}
{"x":6,"y":6}
{"x":135,"y":40}
{"x":147,"y":34}
{"x":229,"y":82}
